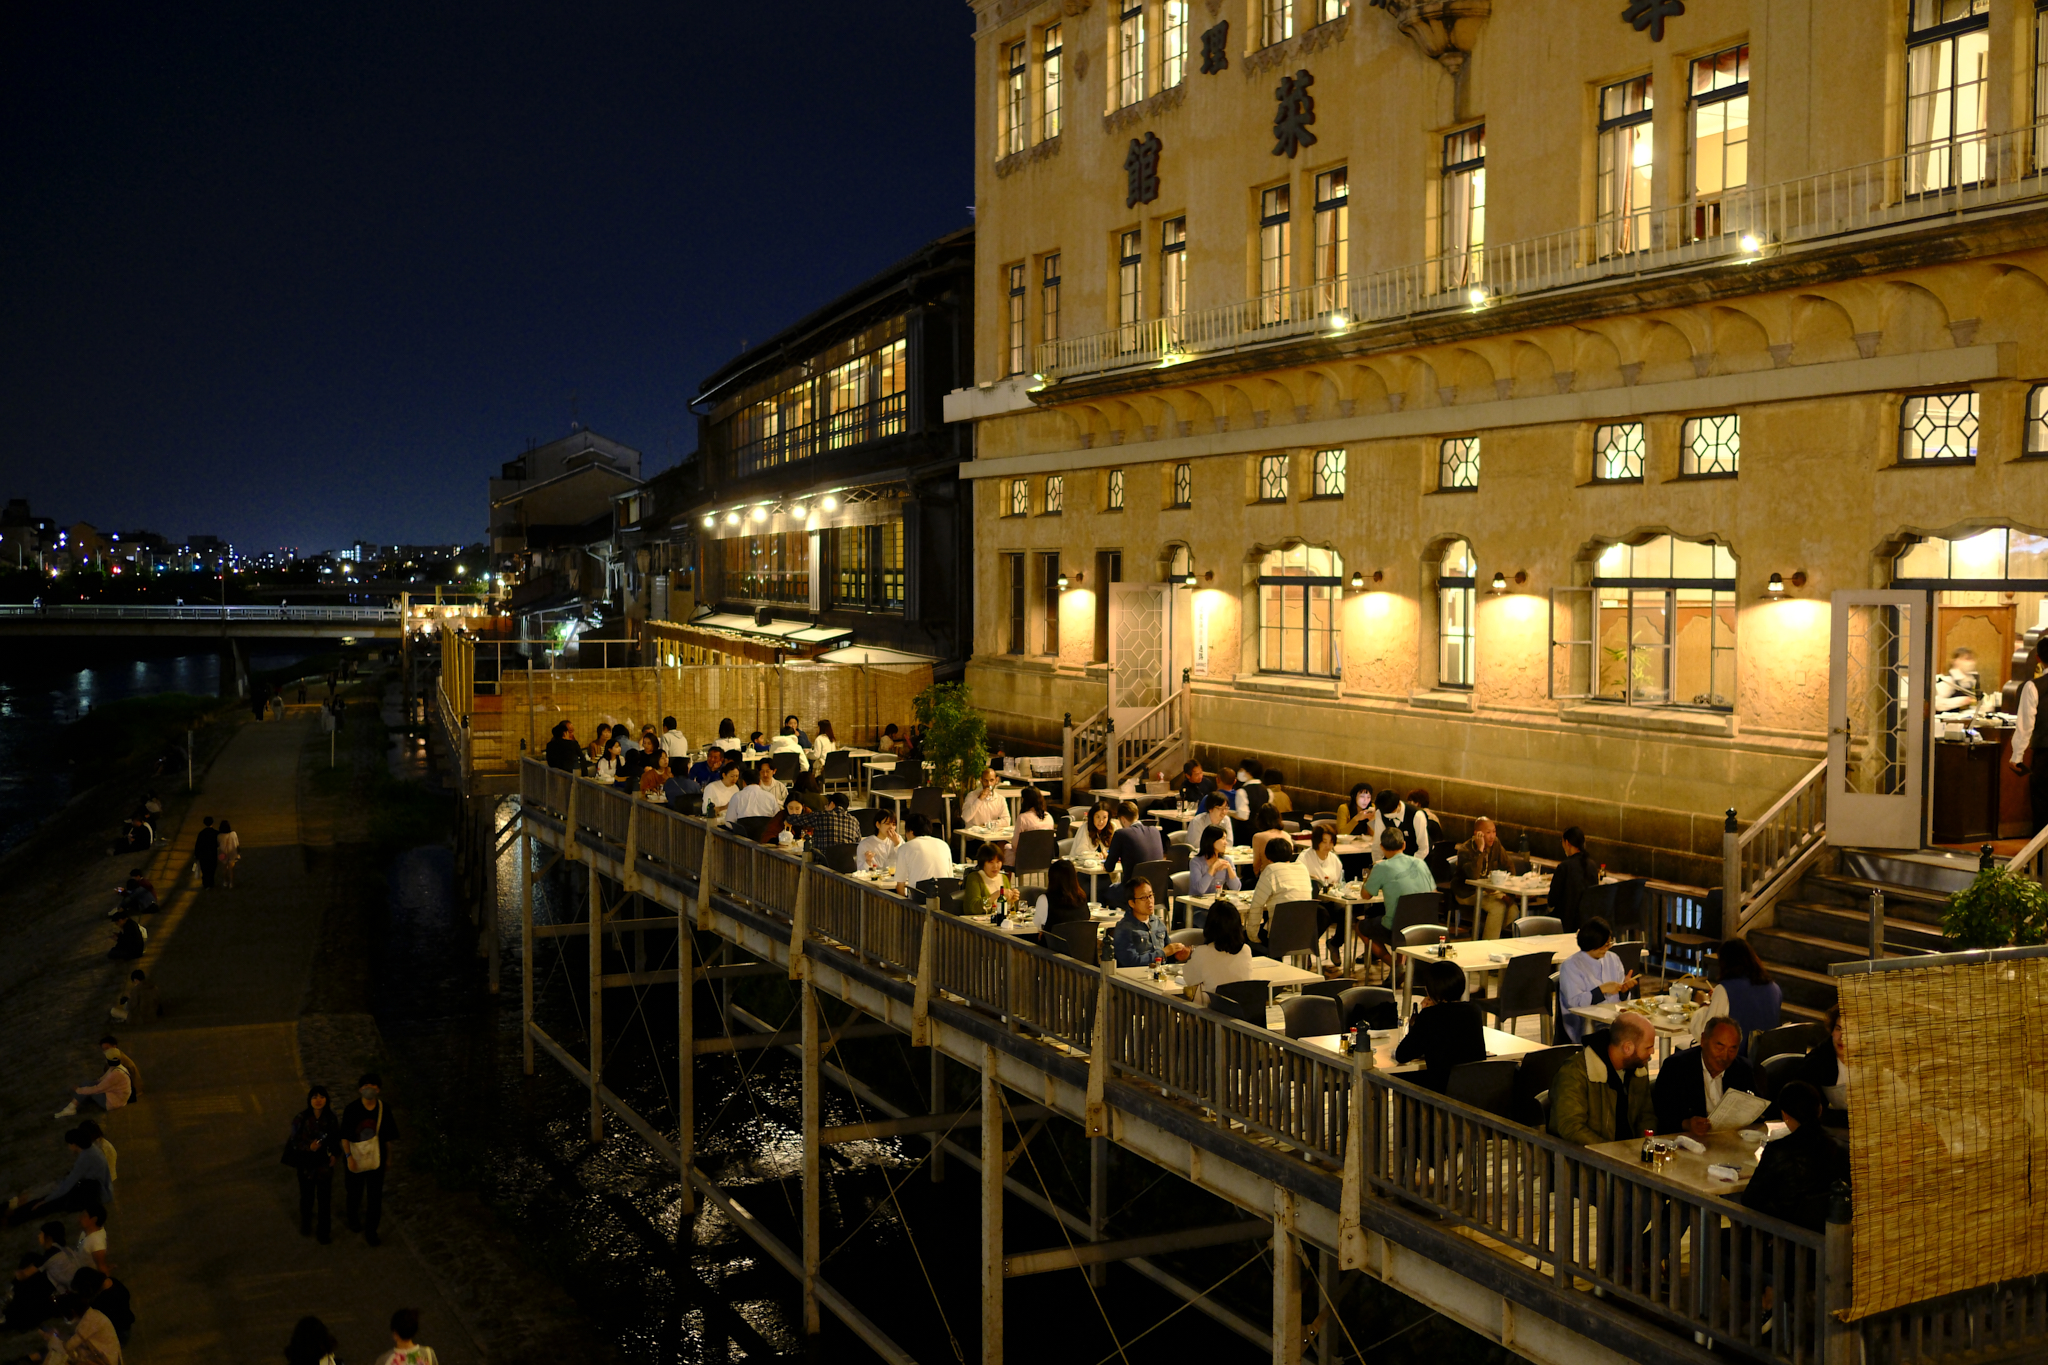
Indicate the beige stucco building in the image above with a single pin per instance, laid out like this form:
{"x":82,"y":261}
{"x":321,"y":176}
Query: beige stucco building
{"x":1757,"y":293}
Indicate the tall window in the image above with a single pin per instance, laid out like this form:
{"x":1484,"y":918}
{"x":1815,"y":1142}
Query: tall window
{"x":775,"y":567}
{"x":1016,"y":577}
{"x":1627,"y":168}
{"x":1276,"y":21}
{"x":1333,"y":239}
{"x":1618,"y":453}
{"x":1719,"y":135}
{"x":1016,"y":103}
{"x":1457,"y":582}
{"x":1049,"y":74}
{"x":2040,"y":76}
{"x":1020,"y":497}
{"x":1938,"y":426}
{"x":1173,"y":43}
{"x":1298,"y":599}
{"x":1326,"y":10}
{"x":1948,"y":59}
{"x":1173,"y":267}
{"x":2037,"y":420}
{"x":1109,"y":568}
{"x":1710,"y":447}
{"x":1272,"y":478}
{"x":1457,"y":463}
{"x":1183,"y":492}
{"x":1055,"y":494}
{"x":1665,"y":623}
{"x":1113,"y":495}
{"x":866,"y":566}
{"x":1461,"y":209}
{"x":1130,"y":55}
{"x":1049,"y":588}
{"x":1049,"y":299}
{"x":889,"y":570}
{"x":1016,"y":321}
{"x":1130,"y":286}
{"x":849,"y":545}
{"x":1276,"y":249}
{"x":1329,"y":474}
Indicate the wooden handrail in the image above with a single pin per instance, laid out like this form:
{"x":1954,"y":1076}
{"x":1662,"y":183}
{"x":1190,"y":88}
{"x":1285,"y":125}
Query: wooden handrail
{"x":2032,"y":857}
{"x":1818,"y":773}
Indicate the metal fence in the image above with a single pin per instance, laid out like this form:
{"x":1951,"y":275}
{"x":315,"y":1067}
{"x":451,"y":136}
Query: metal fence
{"x":87,"y":611}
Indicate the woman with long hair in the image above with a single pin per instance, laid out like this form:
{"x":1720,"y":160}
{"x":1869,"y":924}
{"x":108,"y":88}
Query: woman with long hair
{"x":823,"y":743}
{"x":726,"y":730}
{"x":1357,"y":810}
{"x":1745,"y":994}
{"x":1065,"y":899}
{"x":1210,"y":869}
{"x":1265,"y":829}
{"x":311,"y":1150}
{"x":311,"y":1344}
{"x":1097,"y":829}
{"x":230,"y":854}
{"x":611,"y":764}
{"x":1223,"y":955}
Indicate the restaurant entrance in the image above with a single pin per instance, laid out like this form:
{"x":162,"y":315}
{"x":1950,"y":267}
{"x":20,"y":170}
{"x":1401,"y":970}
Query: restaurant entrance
{"x":1876,"y":666}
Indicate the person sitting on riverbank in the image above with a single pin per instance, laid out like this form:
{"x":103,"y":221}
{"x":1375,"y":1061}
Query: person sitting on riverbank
{"x":129,"y":937}
{"x":35,"y":1293}
{"x":138,"y":1003}
{"x":89,"y":1181}
{"x":107,"y":1294}
{"x":87,"y":1338}
{"x":136,"y":836}
{"x":107,"y":1094}
{"x":110,"y":1049}
{"x":137,"y":895}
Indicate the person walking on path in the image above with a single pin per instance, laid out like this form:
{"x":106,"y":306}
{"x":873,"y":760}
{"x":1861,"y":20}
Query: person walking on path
{"x":230,"y":847}
{"x":206,"y":851}
{"x":311,"y":1150}
{"x":366,"y":1125}
{"x":311,"y":1344}
{"x":405,"y":1347}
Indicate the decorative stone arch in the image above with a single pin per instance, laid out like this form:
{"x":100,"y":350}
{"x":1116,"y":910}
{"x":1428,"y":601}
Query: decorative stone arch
{"x":1823,"y":330}
{"x":1463,"y":375}
{"x":1913,"y":317}
{"x":1596,"y":358}
{"x":1740,"y":341}
{"x":1534,"y":370}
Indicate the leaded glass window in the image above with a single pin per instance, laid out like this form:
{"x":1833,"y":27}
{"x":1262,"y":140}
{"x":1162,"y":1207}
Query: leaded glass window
{"x":1183,"y":485}
{"x":1115,"y":499}
{"x":1329,"y":474}
{"x":1020,"y":497}
{"x":1938,"y":426}
{"x":1457,"y":463}
{"x":1710,"y":447}
{"x":1055,"y":494}
{"x":1618,"y":453}
{"x":1272,"y":478}
{"x":2037,"y":410}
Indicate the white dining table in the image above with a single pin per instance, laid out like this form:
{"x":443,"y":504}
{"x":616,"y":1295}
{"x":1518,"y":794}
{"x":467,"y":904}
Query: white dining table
{"x":1476,"y":956}
{"x":1671,"y":1028}
{"x":1499,"y":1043}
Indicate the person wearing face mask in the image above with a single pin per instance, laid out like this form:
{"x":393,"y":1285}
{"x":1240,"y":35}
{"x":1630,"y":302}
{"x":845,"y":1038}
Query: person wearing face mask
{"x":1958,"y":690}
{"x":1602,"y":1092}
{"x":366,"y":1125}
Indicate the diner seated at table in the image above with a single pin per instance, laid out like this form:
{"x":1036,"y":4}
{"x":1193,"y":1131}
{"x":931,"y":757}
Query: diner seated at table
{"x":823,"y":743}
{"x":680,"y":785}
{"x":1140,"y":937}
{"x":1398,"y":873}
{"x":719,"y":793}
{"x":654,"y":776}
{"x":1602,"y":1092}
{"x":1591,"y":976}
{"x":1574,"y":875}
{"x":1214,"y":813}
{"x":1320,"y":857}
{"x":983,"y":807}
{"x":1064,"y":899}
{"x":922,"y":857}
{"x":1266,"y":832}
{"x":1283,"y":880}
{"x":1797,"y":1172}
{"x":1235,"y":804}
{"x":1357,"y":810}
{"x":1745,"y":992}
{"x":756,"y":798}
{"x":1195,"y":785}
{"x":705,"y":771}
{"x":878,"y":851}
{"x":792,"y":818}
{"x":1691,"y":1083}
{"x":893,"y":741}
{"x":1223,"y":955}
{"x":1446,"y":1031}
{"x":1826,"y":1068}
{"x":790,"y":742}
{"x":1276,"y":794}
{"x":1031,"y":812}
{"x":983,"y":888}
{"x":1098,"y":827}
{"x":1479,"y":857}
{"x":1132,"y":843}
{"x":1211,"y":870}
{"x":756,"y":747}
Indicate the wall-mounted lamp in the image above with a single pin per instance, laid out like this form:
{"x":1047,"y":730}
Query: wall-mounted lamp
{"x":1500,"y":582}
{"x":1357,"y":580}
{"x":1775,"y":588}
{"x":1479,"y":296}
{"x":710,"y":520}
{"x":1339,"y":321}
{"x":1063,"y":580}
{"x":1189,"y":580}
{"x":732,"y":518}
{"x":760,"y":514}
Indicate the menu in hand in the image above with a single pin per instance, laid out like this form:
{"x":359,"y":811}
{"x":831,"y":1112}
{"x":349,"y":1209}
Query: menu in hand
{"x":1737,"y":1109}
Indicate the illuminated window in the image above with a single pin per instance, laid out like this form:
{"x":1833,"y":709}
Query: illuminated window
{"x":1719,"y":134}
{"x":1130,"y":287}
{"x":1457,"y":582}
{"x":1016,"y":321}
{"x":1020,"y":497}
{"x":2037,"y":420}
{"x":1329,"y":474}
{"x":1948,"y":81}
{"x":1049,"y":586}
{"x":1272,"y":478}
{"x":1457,"y":463}
{"x":1130,"y":55}
{"x":1114,"y":500}
{"x":1326,"y":10}
{"x":1710,"y":447}
{"x":1938,"y":426}
{"x":1276,"y":21}
{"x":1333,"y":240}
{"x":1016,"y":104}
{"x":1664,"y":625}
{"x":1173,"y":43}
{"x":1299,"y":593}
{"x":1055,"y":494}
{"x":1993,"y":558}
{"x":768,"y":568}
{"x":1461,"y":210}
{"x":852,"y":393}
{"x":1173,"y":267}
{"x":866,"y":571}
{"x":1618,"y":453}
{"x":1050,"y":75}
{"x":1276,"y":247}
{"x":1627,"y":167}
{"x":1183,"y":486}
{"x":1049,"y":299}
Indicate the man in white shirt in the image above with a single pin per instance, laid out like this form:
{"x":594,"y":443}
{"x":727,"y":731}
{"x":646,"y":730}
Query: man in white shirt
{"x":923,"y":858}
{"x":719,"y":795}
{"x":878,"y":850}
{"x":788,"y":742}
{"x":674,"y":744}
{"x":1213,"y":806}
{"x":756,"y":798}
{"x":2024,"y":759}
{"x":1283,"y":880}
{"x":1391,"y":812}
{"x":983,"y":806}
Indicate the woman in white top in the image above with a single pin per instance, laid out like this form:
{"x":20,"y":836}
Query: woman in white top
{"x":608,"y":762}
{"x":230,"y":853}
{"x":823,"y":743}
{"x":983,"y":807}
{"x":1221,"y":957}
{"x":1094,"y":836}
{"x":1321,"y":860}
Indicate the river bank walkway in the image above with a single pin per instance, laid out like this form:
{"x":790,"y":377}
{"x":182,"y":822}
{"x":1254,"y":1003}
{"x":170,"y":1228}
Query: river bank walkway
{"x":204,"y":1227}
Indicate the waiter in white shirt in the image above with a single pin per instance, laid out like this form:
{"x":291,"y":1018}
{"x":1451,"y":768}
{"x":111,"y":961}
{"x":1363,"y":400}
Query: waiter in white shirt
{"x":2025,"y":759}
{"x":1391,"y":810}
{"x":1958,"y":689}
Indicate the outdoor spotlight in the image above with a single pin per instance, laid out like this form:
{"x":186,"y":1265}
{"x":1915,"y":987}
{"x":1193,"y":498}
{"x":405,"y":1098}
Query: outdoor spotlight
{"x":830,"y":504}
{"x":1776,"y":587}
{"x":732,"y":518}
{"x":1500,"y":581}
{"x":1476,"y":296}
{"x":710,"y":519}
{"x":760,"y":514}
{"x":1338,"y":322}
{"x":1751,"y":243}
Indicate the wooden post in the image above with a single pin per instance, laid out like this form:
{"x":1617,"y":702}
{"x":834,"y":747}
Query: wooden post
{"x":1731,"y":877}
{"x":1840,"y":1339}
{"x":1357,"y":1141}
{"x":921,"y":1000}
{"x":1098,"y":1054}
{"x":526,"y":944}
{"x":489,"y":884}
{"x":993,"y":1166}
{"x":800,"y":922}
{"x":1326,"y":1340}
{"x":704,"y":876}
{"x":1098,"y":1201}
{"x":686,"y":1068}
{"x":1286,"y":1281}
{"x":813,"y":1165}
{"x":938,"y":1106}
{"x":596,"y":1003}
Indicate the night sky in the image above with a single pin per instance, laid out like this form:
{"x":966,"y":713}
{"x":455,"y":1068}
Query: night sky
{"x":298,"y":274}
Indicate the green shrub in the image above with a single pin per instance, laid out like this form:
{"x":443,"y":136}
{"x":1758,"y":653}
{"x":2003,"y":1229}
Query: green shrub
{"x":2001,"y":907}
{"x":955,"y":735}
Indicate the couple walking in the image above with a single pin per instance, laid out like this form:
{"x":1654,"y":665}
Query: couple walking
{"x":216,"y":851}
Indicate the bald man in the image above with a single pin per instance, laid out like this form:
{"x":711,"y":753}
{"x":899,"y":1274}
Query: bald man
{"x":1478,"y":856}
{"x":1603,"y":1093}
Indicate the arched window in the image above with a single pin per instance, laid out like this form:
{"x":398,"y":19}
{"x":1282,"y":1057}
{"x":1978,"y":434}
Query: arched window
{"x":1457,"y":578}
{"x":1299,"y":592}
{"x":1665,"y":625}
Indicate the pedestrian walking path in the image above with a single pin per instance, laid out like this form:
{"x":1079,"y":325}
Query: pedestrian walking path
{"x":206,"y":1229}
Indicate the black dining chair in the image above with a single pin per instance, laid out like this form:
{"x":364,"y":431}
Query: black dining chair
{"x":1532,"y":1082}
{"x":1192,"y":938}
{"x":1036,"y":848}
{"x":1178,"y":856}
{"x":1631,"y":955}
{"x":865,"y":817}
{"x":1419,"y":907}
{"x":1532,"y":926}
{"x":750,"y":827}
{"x":1311,"y":1016}
{"x":1524,"y":989}
{"x":929,"y":802}
{"x":1076,"y":938}
{"x":1487,"y":1085}
{"x":1422,"y":935}
{"x":1159,"y":872}
{"x":1333,"y":989}
{"x":1630,"y":897}
{"x":1370,"y":1007}
{"x":1801,"y":1037}
{"x":1778,"y":1070}
{"x":1291,"y":930}
{"x":839,"y":771}
{"x":838,"y":857}
{"x":1246,"y":1000}
{"x":1598,"y":900}
{"x":1694,"y":946}
{"x":785,"y":766}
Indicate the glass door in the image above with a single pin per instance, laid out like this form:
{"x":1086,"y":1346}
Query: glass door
{"x":1876,"y":676}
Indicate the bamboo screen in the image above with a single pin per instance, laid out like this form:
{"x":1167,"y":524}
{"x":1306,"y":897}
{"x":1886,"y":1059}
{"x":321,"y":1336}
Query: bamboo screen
{"x":1950,"y":1128}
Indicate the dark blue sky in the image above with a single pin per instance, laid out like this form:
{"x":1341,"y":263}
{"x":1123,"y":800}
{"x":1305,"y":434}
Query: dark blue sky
{"x":302,"y":273}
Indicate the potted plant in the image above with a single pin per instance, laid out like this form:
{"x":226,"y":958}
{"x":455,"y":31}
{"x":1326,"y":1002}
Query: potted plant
{"x":955,"y":736}
{"x":2001,"y":908}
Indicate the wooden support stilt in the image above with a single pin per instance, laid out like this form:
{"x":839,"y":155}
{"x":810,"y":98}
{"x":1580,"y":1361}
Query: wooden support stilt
{"x":596,"y":1003}
{"x":686,"y":1070}
{"x":1327,"y":1335}
{"x":1286,"y":1280}
{"x":526,"y":944}
{"x":1098,"y":1056}
{"x":704,"y":876}
{"x":813,"y":1157}
{"x":937,"y":1104}
{"x":489,"y":883}
{"x":992,"y":1167}
{"x":1350,"y":1232}
{"x":1098,"y":1201}
{"x":921,"y":1001}
{"x":800,"y":922}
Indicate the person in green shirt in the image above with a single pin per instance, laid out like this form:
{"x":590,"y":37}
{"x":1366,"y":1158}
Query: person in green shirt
{"x":1398,"y":873}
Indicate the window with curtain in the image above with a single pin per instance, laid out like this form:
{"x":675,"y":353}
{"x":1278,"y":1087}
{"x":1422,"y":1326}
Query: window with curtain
{"x":1710,"y":447}
{"x":1327,"y":10}
{"x":1173,"y":43}
{"x":1130,"y":55}
{"x":1299,"y":594}
{"x":774,"y":567}
{"x":1276,"y":248}
{"x":1626,"y":167}
{"x":1938,"y":427}
{"x":1457,"y":583}
{"x":1015,"y":276}
{"x":1457,"y":463}
{"x":1948,"y":60}
{"x":1333,"y":240}
{"x":1461,"y":210}
{"x":1173,"y":268}
{"x":1276,"y":21}
{"x":1719,"y":138}
{"x":1665,"y":623}
{"x":1016,"y":100}
{"x":1049,"y":78}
